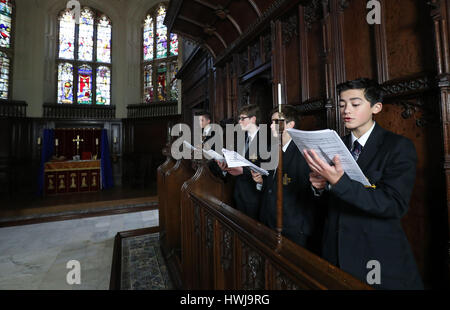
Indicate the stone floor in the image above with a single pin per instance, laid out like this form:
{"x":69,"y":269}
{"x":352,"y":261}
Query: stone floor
{"x":34,"y":257}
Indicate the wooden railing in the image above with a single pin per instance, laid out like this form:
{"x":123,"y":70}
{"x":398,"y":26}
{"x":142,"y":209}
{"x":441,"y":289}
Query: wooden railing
{"x":152,"y":110}
{"x":77,"y":111}
{"x":10,"y":108}
{"x":224,"y":249}
{"x":211,"y":245}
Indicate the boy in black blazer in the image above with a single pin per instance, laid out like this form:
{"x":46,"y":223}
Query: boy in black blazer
{"x":246,"y":196}
{"x":363,"y":229}
{"x":298,"y":213}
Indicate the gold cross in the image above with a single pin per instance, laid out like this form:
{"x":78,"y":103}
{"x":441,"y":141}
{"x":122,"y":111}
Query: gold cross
{"x":78,"y":140}
{"x":286,"y":179}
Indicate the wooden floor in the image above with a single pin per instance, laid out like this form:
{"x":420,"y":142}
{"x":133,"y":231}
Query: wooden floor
{"x":39,"y":206}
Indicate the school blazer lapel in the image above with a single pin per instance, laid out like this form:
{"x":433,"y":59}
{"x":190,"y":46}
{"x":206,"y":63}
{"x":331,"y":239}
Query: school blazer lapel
{"x":371,"y":147}
{"x":288,"y":157}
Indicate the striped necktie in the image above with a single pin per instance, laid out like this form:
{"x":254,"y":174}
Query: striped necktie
{"x":357,"y":148}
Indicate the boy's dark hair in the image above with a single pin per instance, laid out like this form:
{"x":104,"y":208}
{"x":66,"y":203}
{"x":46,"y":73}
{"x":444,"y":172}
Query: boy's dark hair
{"x":372,"y":90}
{"x":251,"y":110}
{"x":204,"y":113}
{"x":289,"y":113}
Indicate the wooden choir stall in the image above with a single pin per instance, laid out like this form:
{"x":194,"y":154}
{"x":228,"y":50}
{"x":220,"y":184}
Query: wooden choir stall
{"x":210,"y":245}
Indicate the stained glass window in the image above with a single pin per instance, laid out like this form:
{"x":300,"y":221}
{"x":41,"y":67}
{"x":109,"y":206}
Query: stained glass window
{"x":160,"y":58}
{"x":6,"y":53}
{"x":173,"y":44}
{"x":65,"y":83}
{"x":161,"y":82}
{"x":148,"y":84}
{"x":85,"y":85}
{"x":86,"y":35}
{"x":67,"y":36}
{"x":104,"y":40}
{"x":84,"y":62}
{"x":161,"y":34}
{"x":148,"y":38}
{"x":4,"y":75}
{"x":173,"y":82}
{"x":103,"y":86}
{"x":5,"y":23}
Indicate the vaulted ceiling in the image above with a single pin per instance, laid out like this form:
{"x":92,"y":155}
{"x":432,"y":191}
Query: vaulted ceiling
{"x":218,"y":25}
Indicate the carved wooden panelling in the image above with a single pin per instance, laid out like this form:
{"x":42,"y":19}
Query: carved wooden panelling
{"x":243,"y":61}
{"x":289,"y":28}
{"x":361,"y":61}
{"x":226,"y":248}
{"x":196,"y":220}
{"x":209,"y":236}
{"x":283,"y":282}
{"x":409,"y":39}
{"x":313,"y":13}
{"x":253,"y":277}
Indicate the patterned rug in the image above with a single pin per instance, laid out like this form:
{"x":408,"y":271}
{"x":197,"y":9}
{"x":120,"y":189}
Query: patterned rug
{"x":143,"y":266}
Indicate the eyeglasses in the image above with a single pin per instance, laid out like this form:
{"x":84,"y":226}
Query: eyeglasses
{"x":241,"y":118}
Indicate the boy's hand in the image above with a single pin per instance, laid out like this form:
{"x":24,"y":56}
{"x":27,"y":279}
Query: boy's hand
{"x":235,"y":171}
{"x":317,"y":180}
{"x":222,"y":165}
{"x":256,"y":177}
{"x":331,"y":173}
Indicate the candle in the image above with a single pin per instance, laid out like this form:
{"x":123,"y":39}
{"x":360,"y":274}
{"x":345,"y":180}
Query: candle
{"x":279,"y":99}
{"x":115,"y":140}
{"x":96,"y":141}
{"x":39,"y":141}
{"x":56,"y":142}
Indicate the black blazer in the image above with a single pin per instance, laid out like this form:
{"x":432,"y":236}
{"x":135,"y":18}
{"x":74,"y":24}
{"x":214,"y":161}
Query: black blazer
{"x":246,"y":197}
{"x":363,"y":224}
{"x":298,"y":212}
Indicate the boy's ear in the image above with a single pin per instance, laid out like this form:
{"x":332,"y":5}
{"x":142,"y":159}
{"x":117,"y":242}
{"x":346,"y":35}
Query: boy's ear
{"x":253,"y":119}
{"x":377,"y":107}
{"x":290,"y":125}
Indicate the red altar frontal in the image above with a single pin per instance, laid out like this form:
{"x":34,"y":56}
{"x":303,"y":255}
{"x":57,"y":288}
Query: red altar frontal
{"x":72,"y":176}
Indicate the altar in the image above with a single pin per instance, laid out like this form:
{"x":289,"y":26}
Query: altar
{"x":72,"y":176}
{"x":74,"y":160}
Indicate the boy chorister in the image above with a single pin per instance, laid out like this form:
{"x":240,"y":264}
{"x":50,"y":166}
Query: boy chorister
{"x":363,"y":229}
{"x":298,"y":212}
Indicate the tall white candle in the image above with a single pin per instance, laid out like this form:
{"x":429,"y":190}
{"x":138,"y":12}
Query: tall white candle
{"x":279,"y":98}
{"x":96,"y":141}
{"x":56,"y":142}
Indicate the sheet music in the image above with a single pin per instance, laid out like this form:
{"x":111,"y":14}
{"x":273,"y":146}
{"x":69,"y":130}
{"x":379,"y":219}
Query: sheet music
{"x":328,"y":144}
{"x":190,"y":146}
{"x":233,"y":159}
{"x":214,"y":155}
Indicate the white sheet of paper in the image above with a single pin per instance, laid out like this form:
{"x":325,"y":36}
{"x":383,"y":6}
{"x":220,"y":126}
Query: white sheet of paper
{"x":233,"y":160}
{"x":214,"y":155}
{"x":328,"y":144}
{"x":190,"y":146}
